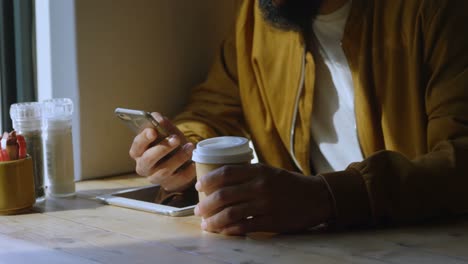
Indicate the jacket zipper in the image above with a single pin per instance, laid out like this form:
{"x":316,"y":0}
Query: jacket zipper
{"x":296,"y":109}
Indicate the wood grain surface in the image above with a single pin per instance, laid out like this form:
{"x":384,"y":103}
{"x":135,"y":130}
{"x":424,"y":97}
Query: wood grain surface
{"x":82,"y":230}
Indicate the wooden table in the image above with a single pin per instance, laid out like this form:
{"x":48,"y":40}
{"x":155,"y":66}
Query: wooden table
{"x":82,"y":230}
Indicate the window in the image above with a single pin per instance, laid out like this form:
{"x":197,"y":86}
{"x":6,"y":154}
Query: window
{"x":16,"y":56}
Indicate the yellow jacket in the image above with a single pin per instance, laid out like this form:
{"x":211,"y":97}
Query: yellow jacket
{"x":409,"y":62}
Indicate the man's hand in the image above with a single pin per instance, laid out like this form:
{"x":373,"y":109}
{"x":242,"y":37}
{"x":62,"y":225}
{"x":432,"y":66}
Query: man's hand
{"x":258,"y":198}
{"x":154,"y":163}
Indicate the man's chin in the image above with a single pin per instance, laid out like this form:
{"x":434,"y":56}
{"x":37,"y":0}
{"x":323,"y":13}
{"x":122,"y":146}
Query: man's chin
{"x":289,"y":15}
{"x":273,"y":14}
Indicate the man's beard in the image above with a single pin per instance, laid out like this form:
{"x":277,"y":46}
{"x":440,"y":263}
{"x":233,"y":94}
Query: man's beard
{"x":296,"y":15}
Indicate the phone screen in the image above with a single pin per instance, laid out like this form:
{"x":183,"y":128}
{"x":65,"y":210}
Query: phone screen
{"x":153,"y":195}
{"x":146,"y":195}
{"x":138,"y":120}
{"x":144,"y":199}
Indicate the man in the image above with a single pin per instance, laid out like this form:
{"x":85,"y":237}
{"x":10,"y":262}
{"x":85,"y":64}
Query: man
{"x":369,"y":96}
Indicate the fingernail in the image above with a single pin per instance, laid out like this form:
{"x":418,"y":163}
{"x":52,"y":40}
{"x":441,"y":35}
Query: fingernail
{"x":172,"y":139}
{"x":203,"y":224}
{"x":198,"y":186}
{"x":188,"y":148}
{"x":150,"y":134}
{"x":158,"y":117}
{"x":196,"y":211}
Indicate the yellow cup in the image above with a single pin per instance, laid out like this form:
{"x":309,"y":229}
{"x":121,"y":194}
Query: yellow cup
{"x":16,"y":186}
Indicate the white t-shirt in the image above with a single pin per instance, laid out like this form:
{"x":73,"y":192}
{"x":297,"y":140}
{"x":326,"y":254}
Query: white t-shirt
{"x":334,"y":143}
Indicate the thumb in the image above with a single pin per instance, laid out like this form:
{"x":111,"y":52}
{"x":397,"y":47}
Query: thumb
{"x":168,"y":126}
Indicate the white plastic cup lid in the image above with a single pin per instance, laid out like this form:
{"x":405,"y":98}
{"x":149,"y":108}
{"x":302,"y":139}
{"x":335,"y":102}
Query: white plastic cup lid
{"x":223,"y":150}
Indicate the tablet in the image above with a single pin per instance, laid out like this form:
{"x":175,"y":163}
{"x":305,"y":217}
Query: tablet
{"x":142,"y":199}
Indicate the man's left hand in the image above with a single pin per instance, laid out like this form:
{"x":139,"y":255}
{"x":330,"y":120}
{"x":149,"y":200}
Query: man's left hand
{"x":258,"y":198}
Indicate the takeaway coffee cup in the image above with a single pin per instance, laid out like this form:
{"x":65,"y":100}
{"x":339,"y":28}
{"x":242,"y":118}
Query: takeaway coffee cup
{"x":213,"y":153}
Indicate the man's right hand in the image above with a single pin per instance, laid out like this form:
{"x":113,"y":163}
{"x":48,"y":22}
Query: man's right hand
{"x":153,"y":162}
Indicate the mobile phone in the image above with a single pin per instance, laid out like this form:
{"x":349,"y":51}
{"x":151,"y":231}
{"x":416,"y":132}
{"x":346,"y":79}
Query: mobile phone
{"x":138,"y":120}
{"x":142,"y":199}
